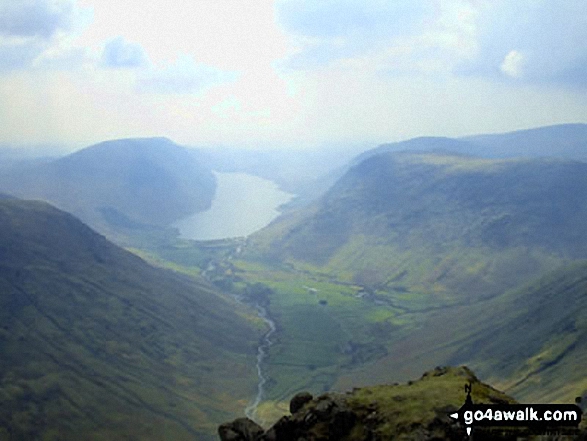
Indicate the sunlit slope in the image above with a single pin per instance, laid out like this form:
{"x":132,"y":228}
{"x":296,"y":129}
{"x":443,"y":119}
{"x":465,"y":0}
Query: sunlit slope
{"x":531,"y":342}
{"x":536,"y":344}
{"x":460,"y":228}
{"x":120,"y":184}
{"x":96,"y":344}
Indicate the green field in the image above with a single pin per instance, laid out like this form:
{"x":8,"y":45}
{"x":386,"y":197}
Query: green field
{"x":325,"y":327}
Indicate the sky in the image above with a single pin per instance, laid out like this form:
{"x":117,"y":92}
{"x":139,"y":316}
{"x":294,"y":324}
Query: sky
{"x":293,"y":73}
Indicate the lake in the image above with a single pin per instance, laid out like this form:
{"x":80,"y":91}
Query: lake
{"x":242,"y":204}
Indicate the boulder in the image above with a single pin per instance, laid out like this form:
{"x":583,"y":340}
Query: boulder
{"x":299,"y":400}
{"x":283,"y":430}
{"x":241,"y":429}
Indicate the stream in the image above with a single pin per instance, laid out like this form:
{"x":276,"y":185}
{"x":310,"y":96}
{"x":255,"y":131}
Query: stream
{"x":251,"y":409}
{"x":263,"y":348}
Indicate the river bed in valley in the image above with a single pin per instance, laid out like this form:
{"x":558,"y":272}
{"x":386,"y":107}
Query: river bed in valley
{"x":242,"y":204}
{"x":262,"y":351}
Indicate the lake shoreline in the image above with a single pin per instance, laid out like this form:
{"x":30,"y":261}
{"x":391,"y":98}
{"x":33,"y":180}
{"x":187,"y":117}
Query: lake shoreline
{"x":242,"y":204}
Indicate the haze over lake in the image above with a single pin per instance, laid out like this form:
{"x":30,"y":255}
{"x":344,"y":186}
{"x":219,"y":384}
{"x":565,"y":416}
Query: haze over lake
{"x":242,"y":204}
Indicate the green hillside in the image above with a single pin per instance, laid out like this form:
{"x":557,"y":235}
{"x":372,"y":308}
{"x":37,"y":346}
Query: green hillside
{"x":529,"y":342}
{"x":452,"y":228}
{"x":120,"y":185}
{"x":98,"y":345}
{"x":537,"y":338}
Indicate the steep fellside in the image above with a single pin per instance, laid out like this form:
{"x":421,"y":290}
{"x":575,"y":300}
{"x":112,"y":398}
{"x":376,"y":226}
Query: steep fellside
{"x":122,"y":184}
{"x":461,"y":228}
{"x":537,"y":338}
{"x":530,"y":342}
{"x":96,"y":344}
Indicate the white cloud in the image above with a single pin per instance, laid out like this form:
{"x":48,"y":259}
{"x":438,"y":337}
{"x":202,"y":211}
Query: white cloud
{"x":119,"y":53}
{"x":289,"y":71}
{"x":548,"y":38}
{"x":227,"y":107}
{"x":35,"y":18}
{"x":513,"y":64}
{"x":462,"y":37}
{"x":330,"y":30}
{"x":33,"y":32}
{"x":183,"y":76}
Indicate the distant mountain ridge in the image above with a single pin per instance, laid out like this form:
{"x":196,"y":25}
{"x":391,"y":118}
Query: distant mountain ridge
{"x":561,"y":141}
{"x":120,"y":183}
{"x":96,"y":344}
{"x":567,"y":141}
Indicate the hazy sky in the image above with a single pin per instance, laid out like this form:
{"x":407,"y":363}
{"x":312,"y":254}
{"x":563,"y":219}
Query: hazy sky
{"x":287,"y":72}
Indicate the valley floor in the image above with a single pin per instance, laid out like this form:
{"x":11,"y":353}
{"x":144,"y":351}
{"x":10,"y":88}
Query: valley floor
{"x":335,"y":335}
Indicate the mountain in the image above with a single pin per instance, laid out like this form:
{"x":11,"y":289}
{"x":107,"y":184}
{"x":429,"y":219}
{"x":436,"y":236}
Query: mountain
{"x":455,"y":229}
{"x":429,"y":144}
{"x":96,"y":344}
{"x":561,"y":141}
{"x":419,"y":410}
{"x":568,"y":141}
{"x":121,"y":184}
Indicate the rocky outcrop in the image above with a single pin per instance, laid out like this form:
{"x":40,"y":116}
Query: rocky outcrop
{"x":241,"y":429}
{"x":418,"y":410}
{"x":299,"y":400}
{"x":327,"y":417}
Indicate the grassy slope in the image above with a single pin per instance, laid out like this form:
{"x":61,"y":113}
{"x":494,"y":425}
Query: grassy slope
{"x":96,"y":344}
{"x":534,"y":350}
{"x":404,"y":408}
{"x":528,"y":342}
{"x":455,"y":229}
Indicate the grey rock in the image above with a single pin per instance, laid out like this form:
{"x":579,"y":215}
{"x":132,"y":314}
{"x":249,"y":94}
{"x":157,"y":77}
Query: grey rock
{"x":324,"y":407}
{"x":241,"y":429}
{"x":283,"y":430}
{"x":299,"y":400}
